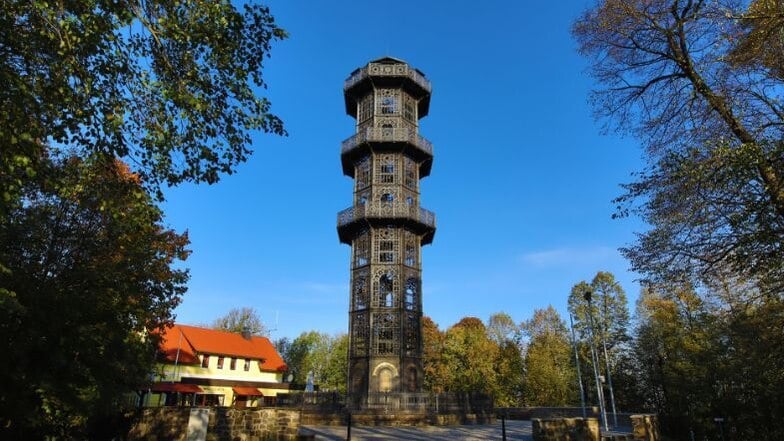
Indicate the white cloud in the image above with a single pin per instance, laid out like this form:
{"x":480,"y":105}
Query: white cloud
{"x":558,"y":257}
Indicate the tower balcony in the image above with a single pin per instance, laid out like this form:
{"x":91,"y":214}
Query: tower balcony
{"x":387,"y":72}
{"x":387,"y":139}
{"x":354,"y":218}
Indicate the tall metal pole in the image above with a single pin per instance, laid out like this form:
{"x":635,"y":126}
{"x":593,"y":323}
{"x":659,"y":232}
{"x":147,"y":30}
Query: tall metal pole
{"x":577,"y":362}
{"x":607,"y":362}
{"x":594,"y":359}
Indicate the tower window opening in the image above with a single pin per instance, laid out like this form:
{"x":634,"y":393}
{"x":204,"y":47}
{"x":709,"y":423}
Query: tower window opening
{"x":386,"y":250}
{"x":411,"y":293}
{"x":360,"y":293}
{"x":388,"y":105}
{"x":386,"y":294}
{"x":387,"y":197}
{"x":386,"y":334}
{"x":408,"y":110}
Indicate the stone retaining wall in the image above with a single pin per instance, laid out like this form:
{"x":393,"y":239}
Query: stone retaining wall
{"x":565,"y":429}
{"x":645,"y":427}
{"x":225,"y":424}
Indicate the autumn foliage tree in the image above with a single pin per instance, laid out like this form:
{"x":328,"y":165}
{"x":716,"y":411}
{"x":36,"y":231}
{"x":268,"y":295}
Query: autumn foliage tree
{"x":550,"y":373}
{"x":148,"y":94}
{"x":700,"y":84}
{"x":88,"y":279}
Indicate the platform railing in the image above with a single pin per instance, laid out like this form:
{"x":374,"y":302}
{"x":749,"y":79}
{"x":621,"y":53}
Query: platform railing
{"x":388,"y":70}
{"x":395,"y":210}
{"x":383,"y":134}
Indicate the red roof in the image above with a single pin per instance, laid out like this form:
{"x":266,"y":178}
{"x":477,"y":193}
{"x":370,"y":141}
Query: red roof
{"x":213,"y":342}
{"x":176,"y":387}
{"x":247,"y":391}
{"x":175,"y":347}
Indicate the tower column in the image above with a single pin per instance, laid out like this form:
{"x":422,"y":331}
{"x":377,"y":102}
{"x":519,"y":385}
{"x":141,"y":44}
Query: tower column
{"x":385,"y":226}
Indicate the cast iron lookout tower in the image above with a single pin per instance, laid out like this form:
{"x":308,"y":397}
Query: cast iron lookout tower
{"x":385,"y":226}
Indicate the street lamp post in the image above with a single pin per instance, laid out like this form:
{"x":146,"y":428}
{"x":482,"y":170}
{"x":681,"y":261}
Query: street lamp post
{"x":594,"y":359}
{"x":607,"y":362}
{"x":577,"y":362}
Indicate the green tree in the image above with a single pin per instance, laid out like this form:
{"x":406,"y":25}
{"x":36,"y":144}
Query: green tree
{"x":334,"y":375}
{"x":240,"y":320}
{"x":610,"y":336}
{"x":169,"y":86}
{"x":609,"y":309}
{"x":325,"y":356}
{"x":550,"y":372}
{"x":510,"y":375}
{"x":696,"y":359}
{"x":700,"y":84}
{"x":90,"y":277}
{"x":501,"y":328}
{"x":509,"y":364}
{"x":469,"y":355}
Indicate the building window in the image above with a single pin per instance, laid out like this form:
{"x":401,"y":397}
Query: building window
{"x":205,"y":361}
{"x":220,"y":362}
{"x":208,"y":400}
{"x":233,"y":364}
{"x":247,"y":364}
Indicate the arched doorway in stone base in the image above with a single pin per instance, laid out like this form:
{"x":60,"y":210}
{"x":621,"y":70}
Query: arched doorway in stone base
{"x":386,"y":377}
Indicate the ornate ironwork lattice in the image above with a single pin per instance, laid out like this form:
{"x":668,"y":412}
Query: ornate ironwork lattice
{"x":386,"y":169}
{"x":386,"y":245}
{"x":410,"y":178}
{"x":365,"y":108}
{"x":359,"y":334}
{"x":362,"y":173}
{"x":411,"y":344}
{"x":409,"y":109}
{"x":411,"y":249}
{"x":387,"y":102}
{"x":361,"y":249}
{"x":386,"y":227}
{"x":385,"y":288}
{"x":412,"y":294}
{"x":386,"y":330}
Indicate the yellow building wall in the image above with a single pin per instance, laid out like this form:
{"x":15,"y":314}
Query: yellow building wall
{"x":170,"y":372}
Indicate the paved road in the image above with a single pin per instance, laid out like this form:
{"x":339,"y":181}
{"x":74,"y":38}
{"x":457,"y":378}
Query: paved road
{"x":515,"y":430}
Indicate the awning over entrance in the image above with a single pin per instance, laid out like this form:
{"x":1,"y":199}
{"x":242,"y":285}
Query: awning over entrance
{"x":176,"y":387}
{"x":247,"y":391}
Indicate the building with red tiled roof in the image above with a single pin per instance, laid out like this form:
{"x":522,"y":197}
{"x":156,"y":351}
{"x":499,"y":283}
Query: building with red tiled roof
{"x":203,"y":366}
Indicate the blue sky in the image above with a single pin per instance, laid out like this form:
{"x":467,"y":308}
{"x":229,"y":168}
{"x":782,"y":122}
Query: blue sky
{"x":522,"y":180}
